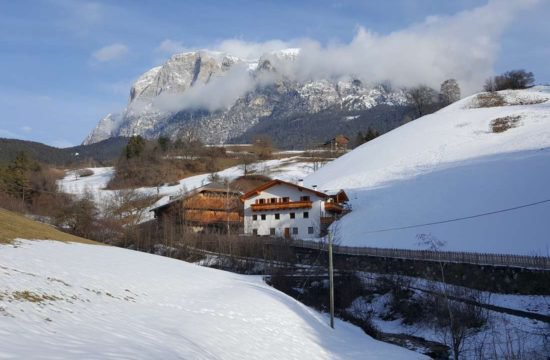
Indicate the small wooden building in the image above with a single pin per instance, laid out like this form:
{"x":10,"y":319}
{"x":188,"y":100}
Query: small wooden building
{"x":214,"y":207}
{"x":337,"y":143}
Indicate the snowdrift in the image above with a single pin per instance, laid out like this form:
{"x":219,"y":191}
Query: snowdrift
{"x":74,"y":301}
{"x":464,"y":160}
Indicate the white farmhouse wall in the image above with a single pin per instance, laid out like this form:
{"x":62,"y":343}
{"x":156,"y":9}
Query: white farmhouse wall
{"x":280,"y":191}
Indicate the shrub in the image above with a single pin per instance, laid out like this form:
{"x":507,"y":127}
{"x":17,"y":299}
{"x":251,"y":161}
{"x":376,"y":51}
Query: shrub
{"x":514,"y":79}
{"x":504,"y":123}
{"x":84,"y":172}
{"x":490,"y":99}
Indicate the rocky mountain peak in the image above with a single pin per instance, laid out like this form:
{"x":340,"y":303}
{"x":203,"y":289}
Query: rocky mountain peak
{"x":271,"y":95}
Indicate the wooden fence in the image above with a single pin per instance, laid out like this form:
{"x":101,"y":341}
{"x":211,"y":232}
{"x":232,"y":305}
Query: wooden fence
{"x":536,"y":262}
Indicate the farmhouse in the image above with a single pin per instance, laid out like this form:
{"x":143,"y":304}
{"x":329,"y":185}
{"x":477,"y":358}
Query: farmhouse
{"x":337,"y":143}
{"x":213,"y":207}
{"x":283,"y":209}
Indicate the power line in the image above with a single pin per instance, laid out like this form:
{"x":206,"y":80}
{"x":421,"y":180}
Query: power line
{"x":460,"y":218}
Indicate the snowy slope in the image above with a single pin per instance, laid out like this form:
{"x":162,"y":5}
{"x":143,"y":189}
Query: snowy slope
{"x":450,"y":165}
{"x":75,"y":301}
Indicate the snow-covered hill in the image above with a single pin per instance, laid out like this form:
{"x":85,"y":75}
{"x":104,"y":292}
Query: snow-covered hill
{"x":76,"y":301}
{"x":448,"y":165}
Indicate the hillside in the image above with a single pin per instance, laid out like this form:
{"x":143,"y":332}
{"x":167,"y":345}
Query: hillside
{"x":102,"y":151}
{"x":80,"y":301}
{"x":15,"y":226}
{"x":462,"y":161}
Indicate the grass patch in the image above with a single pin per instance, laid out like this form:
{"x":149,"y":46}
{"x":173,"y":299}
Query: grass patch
{"x":489,"y":99}
{"x":33,"y":297}
{"x":14,"y":226}
{"x":502,"y":124}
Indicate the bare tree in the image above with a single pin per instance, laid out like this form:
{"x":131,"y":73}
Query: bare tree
{"x":462,"y":319}
{"x":423,"y":98}
{"x":514,"y":79}
{"x":450,"y":92}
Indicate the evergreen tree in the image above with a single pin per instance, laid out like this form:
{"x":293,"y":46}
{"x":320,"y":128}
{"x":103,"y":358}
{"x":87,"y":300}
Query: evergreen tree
{"x":371,"y":134}
{"x":135,"y":147}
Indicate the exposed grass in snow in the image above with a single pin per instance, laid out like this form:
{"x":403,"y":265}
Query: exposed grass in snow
{"x":15,"y":226}
{"x":504,"y":123}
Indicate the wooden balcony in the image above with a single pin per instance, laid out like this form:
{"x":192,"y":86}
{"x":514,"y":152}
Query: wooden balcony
{"x":212,"y":203}
{"x":282,"y":206}
{"x":333,"y":207}
{"x":211,"y":217}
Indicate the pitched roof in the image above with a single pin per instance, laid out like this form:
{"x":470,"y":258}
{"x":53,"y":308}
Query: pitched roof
{"x":213,"y":186}
{"x":272,"y":183}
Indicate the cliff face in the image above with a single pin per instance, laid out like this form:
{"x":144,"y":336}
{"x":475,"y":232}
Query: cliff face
{"x":218,"y":97}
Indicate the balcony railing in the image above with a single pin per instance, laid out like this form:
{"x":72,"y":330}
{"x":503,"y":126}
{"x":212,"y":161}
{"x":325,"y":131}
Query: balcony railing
{"x":333,"y":207}
{"x":282,"y":206}
{"x":211,"y":217}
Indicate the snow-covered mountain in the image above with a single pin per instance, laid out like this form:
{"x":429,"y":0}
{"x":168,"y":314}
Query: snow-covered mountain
{"x":462,"y":161}
{"x":218,"y":97}
{"x":77,"y":301}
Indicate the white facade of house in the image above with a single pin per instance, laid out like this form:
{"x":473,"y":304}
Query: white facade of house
{"x":301,"y":223}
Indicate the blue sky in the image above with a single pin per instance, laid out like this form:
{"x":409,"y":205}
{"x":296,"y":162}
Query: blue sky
{"x":65,"y":64}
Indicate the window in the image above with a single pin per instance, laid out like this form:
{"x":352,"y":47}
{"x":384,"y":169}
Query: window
{"x":292,"y":215}
{"x":271,"y":231}
{"x":286,"y":199}
{"x":277,"y":216}
{"x":262,"y":216}
{"x":304,"y":198}
{"x":310,"y":230}
{"x":306,"y":214}
{"x":255,"y":232}
{"x":273,"y":200}
{"x":254,"y":217}
{"x":295,"y":231}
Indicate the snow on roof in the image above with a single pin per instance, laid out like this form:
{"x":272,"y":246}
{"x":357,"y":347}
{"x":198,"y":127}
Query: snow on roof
{"x":272,"y":183}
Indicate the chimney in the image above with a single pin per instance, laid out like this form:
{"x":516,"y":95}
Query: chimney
{"x":301,"y":182}
{"x":314,"y":187}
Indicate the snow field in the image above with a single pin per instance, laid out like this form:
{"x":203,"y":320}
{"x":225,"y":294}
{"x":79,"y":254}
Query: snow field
{"x":73,"y":301}
{"x":450,"y":165}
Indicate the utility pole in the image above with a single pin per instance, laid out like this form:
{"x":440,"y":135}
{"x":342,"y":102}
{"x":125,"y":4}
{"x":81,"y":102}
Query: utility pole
{"x":331,"y":279}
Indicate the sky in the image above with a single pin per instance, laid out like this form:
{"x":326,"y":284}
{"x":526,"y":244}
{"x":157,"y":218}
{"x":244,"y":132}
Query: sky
{"x":65,"y":64}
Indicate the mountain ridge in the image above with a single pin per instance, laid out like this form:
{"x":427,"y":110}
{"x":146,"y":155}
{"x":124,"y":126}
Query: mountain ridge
{"x":219,"y":97}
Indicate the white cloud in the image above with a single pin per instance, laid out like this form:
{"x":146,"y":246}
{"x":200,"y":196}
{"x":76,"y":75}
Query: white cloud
{"x":252,"y":50}
{"x":7,"y":134}
{"x":26,"y":129}
{"x":463,"y":46}
{"x":110,"y":52}
{"x":61,"y":143}
{"x":171,"y":47}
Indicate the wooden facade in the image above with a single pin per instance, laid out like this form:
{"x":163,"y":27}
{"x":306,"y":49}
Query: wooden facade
{"x":213,"y":207}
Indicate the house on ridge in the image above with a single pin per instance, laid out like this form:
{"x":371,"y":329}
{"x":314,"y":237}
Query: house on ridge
{"x":283,"y":209}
